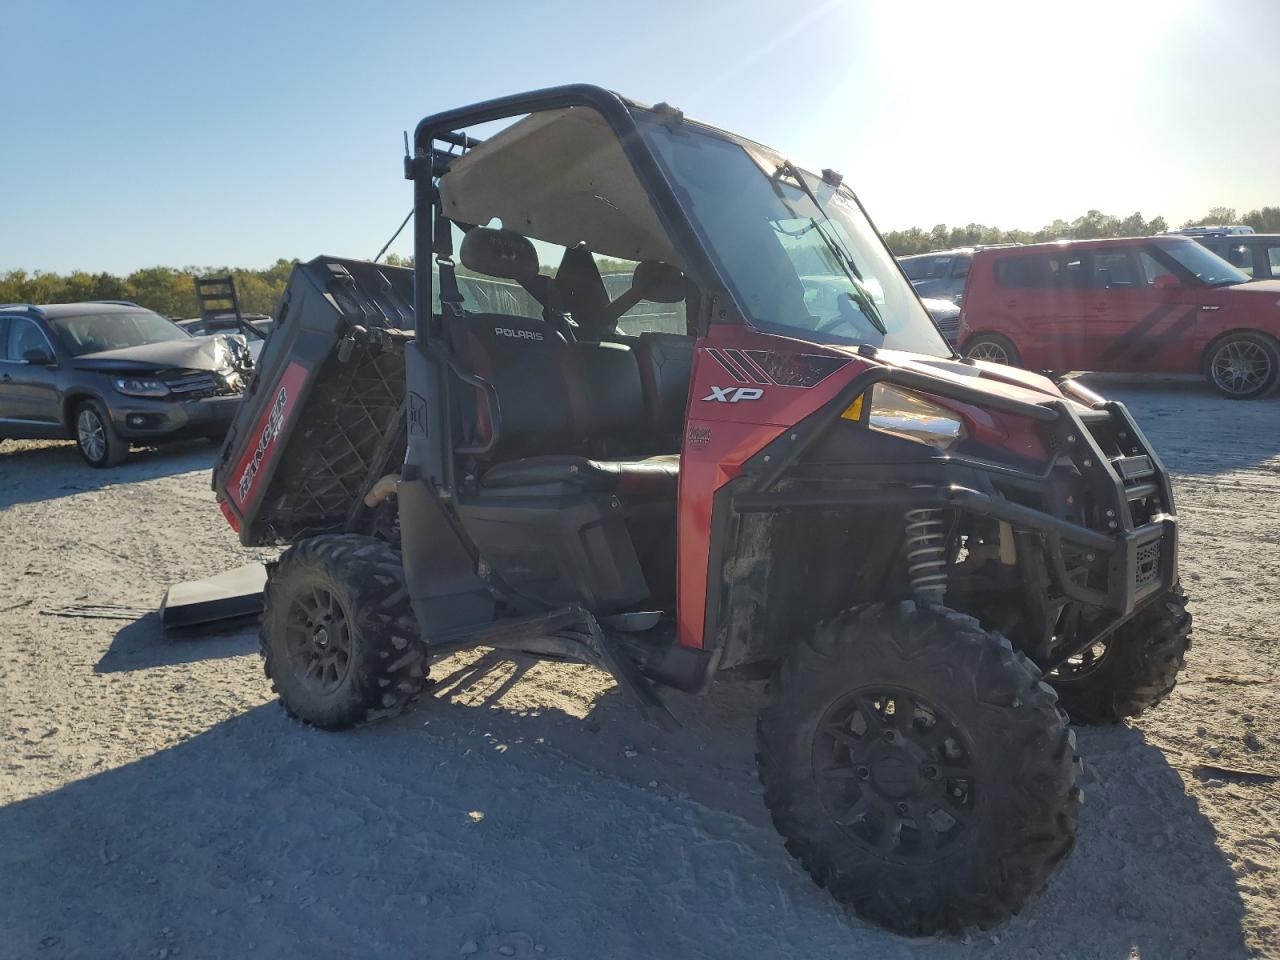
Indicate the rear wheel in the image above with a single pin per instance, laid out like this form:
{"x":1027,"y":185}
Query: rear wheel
{"x":993,"y":348}
{"x":339,"y":639}
{"x":1131,"y":671}
{"x":96,"y":438}
{"x":1243,"y":366}
{"x":918,"y":769}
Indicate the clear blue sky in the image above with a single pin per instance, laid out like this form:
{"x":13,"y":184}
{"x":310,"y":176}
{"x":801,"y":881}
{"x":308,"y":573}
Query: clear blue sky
{"x":143,"y":132}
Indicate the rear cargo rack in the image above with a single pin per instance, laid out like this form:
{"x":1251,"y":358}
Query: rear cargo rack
{"x":325,"y":416}
{"x":355,"y":435}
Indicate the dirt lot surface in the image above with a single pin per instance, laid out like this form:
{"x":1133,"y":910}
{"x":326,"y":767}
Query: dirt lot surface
{"x":155,"y":801}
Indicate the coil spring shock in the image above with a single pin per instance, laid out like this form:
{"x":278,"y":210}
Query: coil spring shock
{"x":926,"y":554}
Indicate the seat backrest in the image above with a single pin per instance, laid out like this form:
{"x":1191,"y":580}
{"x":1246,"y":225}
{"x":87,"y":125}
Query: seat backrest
{"x":606,"y":393}
{"x":665,"y":362}
{"x":524,"y":360}
{"x":581,"y":291}
{"x":553,"y":396}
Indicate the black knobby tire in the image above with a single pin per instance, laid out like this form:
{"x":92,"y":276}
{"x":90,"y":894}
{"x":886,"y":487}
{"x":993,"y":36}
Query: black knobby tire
{"x":993,"y":347}
{"x":333,"y":593}
{"x":1134,"y":670}
{"x":96,"y":437}
{"x":1243,"y":365}
{"x":1007,"y":768}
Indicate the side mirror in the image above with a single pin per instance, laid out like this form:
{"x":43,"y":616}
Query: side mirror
{"x":1166,"y":281}
{"x":39,"y":357}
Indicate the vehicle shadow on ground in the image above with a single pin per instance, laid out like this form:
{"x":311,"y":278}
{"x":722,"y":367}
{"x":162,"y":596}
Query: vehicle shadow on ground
{"x":144,"y":644}
{"x":1230,"y":435}
{"x":32,"y":471}
{"x":472,"y":818}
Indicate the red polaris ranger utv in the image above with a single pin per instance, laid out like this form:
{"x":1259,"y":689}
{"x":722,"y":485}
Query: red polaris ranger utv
{"x":678,"y":411}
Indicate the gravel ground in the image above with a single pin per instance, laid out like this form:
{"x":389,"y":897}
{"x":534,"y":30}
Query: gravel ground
{"x":155,"y":802}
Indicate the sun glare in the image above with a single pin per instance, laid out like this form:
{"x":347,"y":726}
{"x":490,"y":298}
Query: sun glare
{"x":1023,"y":95}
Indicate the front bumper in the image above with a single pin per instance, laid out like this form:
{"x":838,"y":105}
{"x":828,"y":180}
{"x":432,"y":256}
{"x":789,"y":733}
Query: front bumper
{"x":142,"y":420}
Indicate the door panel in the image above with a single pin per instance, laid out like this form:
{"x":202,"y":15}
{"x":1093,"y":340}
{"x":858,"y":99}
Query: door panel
{"x":1142,"y":311}
{"x":30,"y":391}
{"x":1042,"y":296}
{"x":6,"y":379}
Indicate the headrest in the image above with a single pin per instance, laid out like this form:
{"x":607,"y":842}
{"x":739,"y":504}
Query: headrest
{"x":658,"y":282}
{"x":499,"y":253}
{"x":582,"y":292}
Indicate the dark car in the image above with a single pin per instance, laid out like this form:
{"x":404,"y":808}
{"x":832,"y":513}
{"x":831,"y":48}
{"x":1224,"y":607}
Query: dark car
{"x":939,"y":275}
{"x":111,"y":374}
{"x":946,"y":314}
{"x":1255,"y":254}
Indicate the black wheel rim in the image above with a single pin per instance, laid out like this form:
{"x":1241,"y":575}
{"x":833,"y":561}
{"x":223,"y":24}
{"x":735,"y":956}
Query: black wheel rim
{"x":895,"y":774}
{"x":319,"y":639}
{"x":1241,"y":367}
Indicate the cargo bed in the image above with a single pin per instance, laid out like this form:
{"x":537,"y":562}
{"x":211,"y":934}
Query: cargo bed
{"x":324,"y":416}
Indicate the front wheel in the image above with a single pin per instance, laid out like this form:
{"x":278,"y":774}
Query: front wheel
{"x":96,"y":438}
{"x":993,"y":348}
{"x":918,"y":769}
{"x":339,"y":640}
{"x":1133,"y":669}
{"x":1243,"y":366}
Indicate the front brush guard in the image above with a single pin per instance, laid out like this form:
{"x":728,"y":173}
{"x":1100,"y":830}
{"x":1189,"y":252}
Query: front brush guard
{"x":1141,"y":560}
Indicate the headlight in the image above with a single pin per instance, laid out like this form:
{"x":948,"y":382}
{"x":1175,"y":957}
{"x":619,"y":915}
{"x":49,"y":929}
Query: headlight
{"x":136,"y":387}
{"x":902,"y":413}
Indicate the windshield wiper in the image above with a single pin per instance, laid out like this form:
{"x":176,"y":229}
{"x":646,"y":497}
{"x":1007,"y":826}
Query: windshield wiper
{"x":865,"y":304}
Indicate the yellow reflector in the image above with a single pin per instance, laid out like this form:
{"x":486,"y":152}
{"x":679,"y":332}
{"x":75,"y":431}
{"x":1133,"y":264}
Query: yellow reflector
{"x":854,"y":410}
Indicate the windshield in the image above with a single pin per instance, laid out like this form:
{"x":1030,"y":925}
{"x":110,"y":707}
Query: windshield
{"x":1205,"y":264}
{"x":95,"y":332}
{"x":799,"y":253}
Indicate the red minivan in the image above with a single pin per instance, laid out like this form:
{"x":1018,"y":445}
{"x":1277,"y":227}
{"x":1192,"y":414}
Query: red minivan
{"x":1137,"y":305}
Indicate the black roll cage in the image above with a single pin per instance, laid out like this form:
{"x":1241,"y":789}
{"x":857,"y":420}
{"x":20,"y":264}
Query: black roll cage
{"x":422,"y":167}
{"x":427,"y":163}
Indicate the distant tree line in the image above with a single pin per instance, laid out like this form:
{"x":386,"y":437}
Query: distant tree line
{"x":167,"y":290}
{"x":1091,"y":226}
{"x":171,"y":291}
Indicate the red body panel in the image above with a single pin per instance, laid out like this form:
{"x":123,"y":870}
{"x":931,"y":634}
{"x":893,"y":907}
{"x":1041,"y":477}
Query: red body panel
{"x":245,"y":481}
{"x":724,"y":428}
{"x":1124,"y":329}
{"x":720,"y":435}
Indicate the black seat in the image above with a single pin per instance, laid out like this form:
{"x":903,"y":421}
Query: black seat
{"x":570,"y":415}
{"x":666,"y":364}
